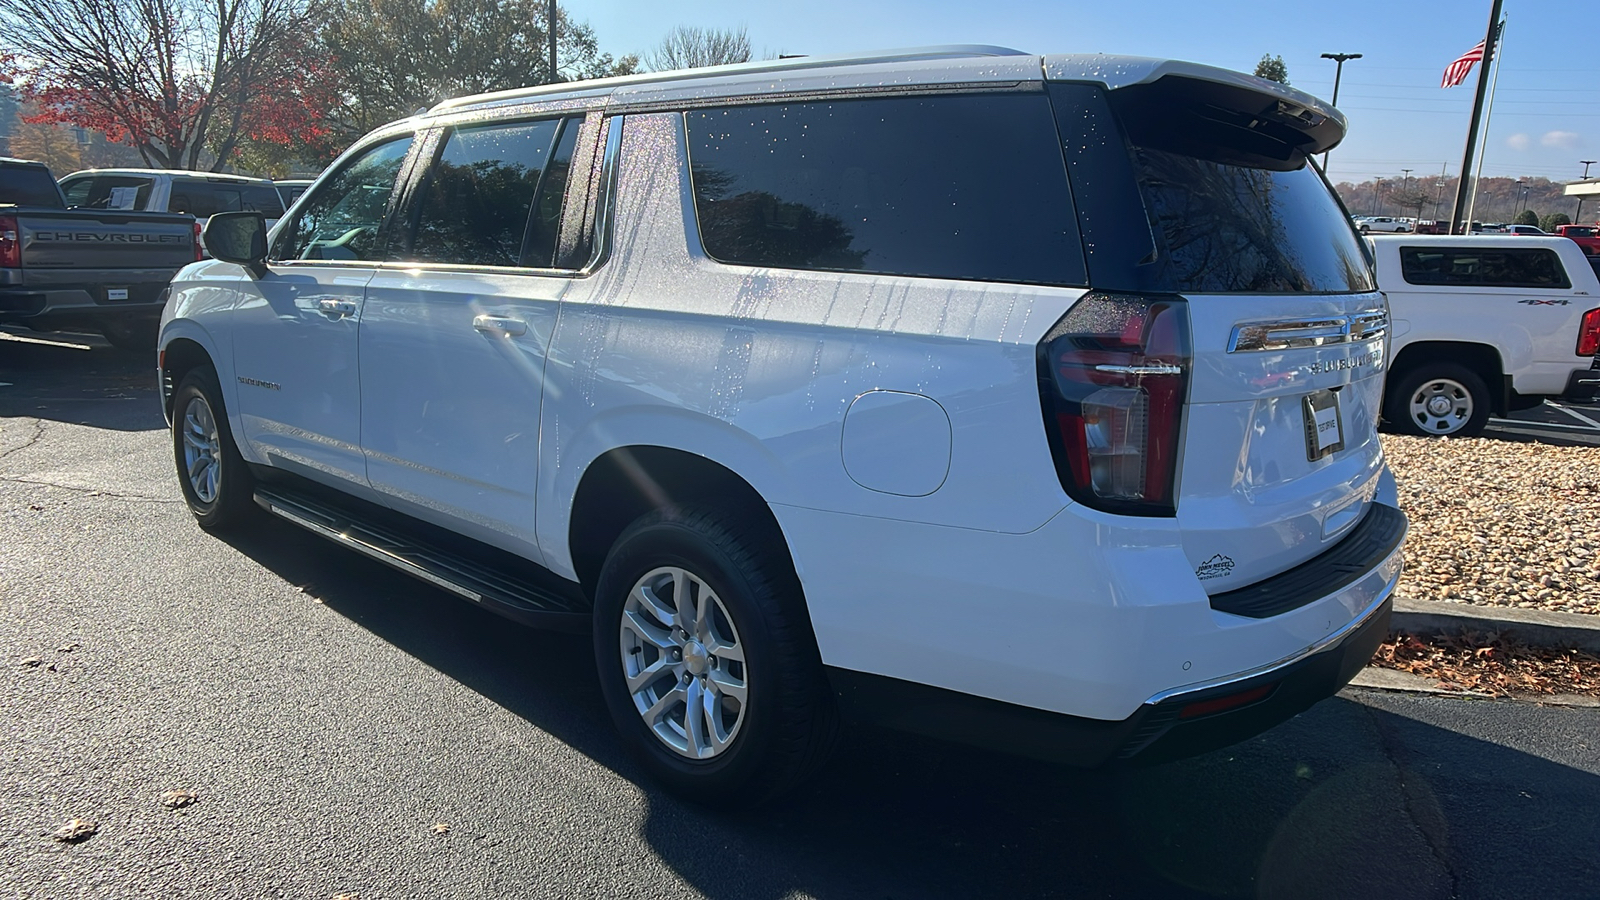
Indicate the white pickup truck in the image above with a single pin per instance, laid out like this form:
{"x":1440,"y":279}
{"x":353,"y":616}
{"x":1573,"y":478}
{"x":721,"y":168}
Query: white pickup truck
{"x":1484,"y":325}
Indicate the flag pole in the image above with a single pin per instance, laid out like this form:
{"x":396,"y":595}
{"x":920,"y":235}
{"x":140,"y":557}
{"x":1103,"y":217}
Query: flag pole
{"x":1460,"y":206}
{"x":1488,"y":113}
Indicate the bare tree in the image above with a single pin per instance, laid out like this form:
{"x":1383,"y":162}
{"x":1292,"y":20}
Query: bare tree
{"x":688,"y":47}
{"x":182,"y":81}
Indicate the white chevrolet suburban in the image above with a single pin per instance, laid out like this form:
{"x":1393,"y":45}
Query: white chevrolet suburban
{"x":959,"y":389}
{"x":1485,"y":325}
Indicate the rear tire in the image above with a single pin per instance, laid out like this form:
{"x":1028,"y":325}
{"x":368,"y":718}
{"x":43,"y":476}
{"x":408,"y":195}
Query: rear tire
{"x":734,"y":709}
{"x":133,"y":336}
{"x":1439,"y":400}
{"x":216,"y":483}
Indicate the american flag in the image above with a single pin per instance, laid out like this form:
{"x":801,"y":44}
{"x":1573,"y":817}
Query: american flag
{"x":1457,"y":72}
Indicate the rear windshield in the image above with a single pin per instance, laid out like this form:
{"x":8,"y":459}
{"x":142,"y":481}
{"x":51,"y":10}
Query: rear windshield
{"x":29,"y":186}
{"x":1229,"y":205}
{"x":203,"y":199}
{"x":1578,"y":231}
{"x":107,"y":191}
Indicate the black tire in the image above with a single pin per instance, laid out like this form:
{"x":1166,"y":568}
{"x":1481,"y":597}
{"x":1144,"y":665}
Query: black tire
{"x":790,"y":723}
{"x":231,"y":502}
{"x":1450,"y":379}
{"x":134,"y":336}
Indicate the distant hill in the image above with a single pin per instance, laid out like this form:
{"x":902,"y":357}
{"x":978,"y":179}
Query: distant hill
{"x":1499,"y":199}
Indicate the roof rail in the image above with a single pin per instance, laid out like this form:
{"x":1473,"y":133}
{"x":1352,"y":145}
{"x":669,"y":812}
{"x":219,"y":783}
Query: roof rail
{"x":909,"y":54}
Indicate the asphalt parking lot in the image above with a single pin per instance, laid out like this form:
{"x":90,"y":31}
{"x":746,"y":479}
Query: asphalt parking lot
{"x":349,"y":730}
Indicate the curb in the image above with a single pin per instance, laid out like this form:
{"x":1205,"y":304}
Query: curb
{"x":1538,"y":627}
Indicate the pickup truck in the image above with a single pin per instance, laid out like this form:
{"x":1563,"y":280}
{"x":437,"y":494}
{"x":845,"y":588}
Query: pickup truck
{"x":84,"y":269}
{"x":1586,"y":236}
{"x":1483,"y":325}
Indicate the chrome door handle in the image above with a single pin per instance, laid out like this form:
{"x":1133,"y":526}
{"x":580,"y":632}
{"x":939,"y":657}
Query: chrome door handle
{"x":329,"y":306}
{"x":500,"y":325}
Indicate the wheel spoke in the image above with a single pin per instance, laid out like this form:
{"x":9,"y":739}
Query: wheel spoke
{"x":682,"y":598}
{"x":198,"y":468}
{"x":728,"y":686}
{"x":645,"y":596}
{"x":694,"y":716}
{"x":652,"y":716}
{"x":650,"y":633}
{"x":648,"y":674}
{"x":724,"y":651}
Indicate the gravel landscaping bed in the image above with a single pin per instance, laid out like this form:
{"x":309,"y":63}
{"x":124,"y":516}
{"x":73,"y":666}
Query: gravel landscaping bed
{"x":1498,"y":523}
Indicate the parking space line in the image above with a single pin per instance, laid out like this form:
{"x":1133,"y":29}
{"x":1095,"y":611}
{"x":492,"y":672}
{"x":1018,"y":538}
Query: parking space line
{"x":7,"y":336}
{"x":1577,"y":415}
{"x":1518,"y":423}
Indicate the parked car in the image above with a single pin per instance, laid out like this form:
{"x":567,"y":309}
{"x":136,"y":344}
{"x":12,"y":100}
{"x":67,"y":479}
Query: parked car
{"x":1485,"y":325}
{"x":1431,"y":226}
{"x":1525,"y":230}
{"x":802,"y":401}
{"x":88,"y":270}
{"x":290,"y":189}
{"x":1382,"y":224}
{"x":200,"y":194}
{"x":1585,"y":236}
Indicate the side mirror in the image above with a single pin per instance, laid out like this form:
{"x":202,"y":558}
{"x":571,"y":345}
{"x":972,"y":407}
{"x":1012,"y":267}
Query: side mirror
{"x":238,"y":237}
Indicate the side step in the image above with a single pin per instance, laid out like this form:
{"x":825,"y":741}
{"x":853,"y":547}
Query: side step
{"x":517,"y":596}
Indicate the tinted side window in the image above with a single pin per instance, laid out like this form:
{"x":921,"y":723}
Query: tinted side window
{"x":28,"y":186}
{"x":107,"y":191}
{"x":1483,"y":267}
{"x":474,"y":208}
{"x":968,"y":186}
{"x":343,"y":218}
{"x":206,"y":198}
{"x":545,"y":227}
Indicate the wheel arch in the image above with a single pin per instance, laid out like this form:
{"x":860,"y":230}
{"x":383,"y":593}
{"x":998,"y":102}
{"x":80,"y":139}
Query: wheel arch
{"x":180,"y":356}
{"x":627,"y":482}
{"x":1483,"y":359}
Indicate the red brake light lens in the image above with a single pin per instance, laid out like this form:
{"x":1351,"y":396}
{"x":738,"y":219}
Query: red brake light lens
{"x":10,"y":243}
{"x":1113,"y":376}
{"x":199,"y":247}
{"x":1588,"y":335}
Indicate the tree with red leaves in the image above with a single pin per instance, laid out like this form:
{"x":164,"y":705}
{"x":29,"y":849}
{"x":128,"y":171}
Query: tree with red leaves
{"x":181,"y":81}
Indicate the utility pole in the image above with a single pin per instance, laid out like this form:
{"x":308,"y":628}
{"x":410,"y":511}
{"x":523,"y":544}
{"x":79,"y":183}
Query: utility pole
{"x":1377,"y":196}
{"x":551,"y":18}
{"x":1463,"y":189}
{"x":1338,"y":69}
{"x":1576,"y":217}
{"x":1522,"y":193}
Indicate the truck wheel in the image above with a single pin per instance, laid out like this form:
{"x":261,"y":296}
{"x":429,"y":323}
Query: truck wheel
{"x":707,"y":661}
{"x":1442,"y":399}
{"x":135,"y":337}
{"x":215,"y":482}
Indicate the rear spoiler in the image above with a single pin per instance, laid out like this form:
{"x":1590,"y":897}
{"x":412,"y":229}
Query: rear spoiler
{"x":1209,"y":112}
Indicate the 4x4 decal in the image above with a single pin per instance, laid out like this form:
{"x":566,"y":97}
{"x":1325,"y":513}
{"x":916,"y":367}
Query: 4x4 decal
{"x":1533,"y":301}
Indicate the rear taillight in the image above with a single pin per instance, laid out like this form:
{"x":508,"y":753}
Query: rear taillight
{"x":1113,"y":375}
{"x":199,"y":246}
{"x":10,"y":243}
{"x":1588,"y":335}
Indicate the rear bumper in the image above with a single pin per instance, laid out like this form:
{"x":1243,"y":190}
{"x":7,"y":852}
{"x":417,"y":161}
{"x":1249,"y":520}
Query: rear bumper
{"x":77,"y":295}
{"x":1170,"y":725}
{"x":1583,"y":385}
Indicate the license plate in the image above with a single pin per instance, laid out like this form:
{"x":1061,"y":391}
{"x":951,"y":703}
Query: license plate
{"x":1324,"y":427}
{"x":116,"y":293}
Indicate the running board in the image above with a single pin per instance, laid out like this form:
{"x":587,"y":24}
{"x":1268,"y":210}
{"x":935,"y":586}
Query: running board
{"x":501,"y":592}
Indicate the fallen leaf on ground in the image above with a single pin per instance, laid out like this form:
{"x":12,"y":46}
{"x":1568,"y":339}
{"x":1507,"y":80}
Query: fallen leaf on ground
{"x":75,"y":831}
{"x":1493,"y":663}
{"x":441,"y":828}
{"x":32,"y":662}
{"x":68,"y":647}
{"x":178,"y":799}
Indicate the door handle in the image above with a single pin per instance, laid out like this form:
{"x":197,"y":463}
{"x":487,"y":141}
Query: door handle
{"x":330,"y":306}
{"x":500,"y":325}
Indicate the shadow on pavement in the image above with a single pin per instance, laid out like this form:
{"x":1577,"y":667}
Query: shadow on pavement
{"x":101,"y":387}
{"x":1348,"y":800}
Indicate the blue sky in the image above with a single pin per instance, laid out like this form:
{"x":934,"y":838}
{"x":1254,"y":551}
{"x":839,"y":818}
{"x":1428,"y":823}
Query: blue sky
{"x":1546,"y":114}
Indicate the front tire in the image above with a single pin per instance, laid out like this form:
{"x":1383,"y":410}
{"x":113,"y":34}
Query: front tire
{"x":216,"y":484}
{"x":1438,"y":399}
{"x":707,"y":661}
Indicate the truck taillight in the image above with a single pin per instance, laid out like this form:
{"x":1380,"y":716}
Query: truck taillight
{"x":199,"y":246}
{"x":1588,"y":335}
{"x":10,"y":243}
{"x":1113,"y":375}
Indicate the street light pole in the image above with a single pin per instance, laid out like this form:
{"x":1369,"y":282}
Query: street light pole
{"x":1377,"y":196}
{"x":1338,"y":70}
{"x":551,"y":18}
{"x":1578,"y":216}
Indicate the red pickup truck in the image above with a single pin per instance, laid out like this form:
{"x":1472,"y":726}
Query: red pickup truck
{"x":1587,"y":236}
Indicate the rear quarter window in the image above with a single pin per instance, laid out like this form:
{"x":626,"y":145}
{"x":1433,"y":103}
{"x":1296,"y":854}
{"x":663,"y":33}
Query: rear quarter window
{"x":1499,"y":267}
{"x":964,"y":186}
{"x":107,"y":191}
